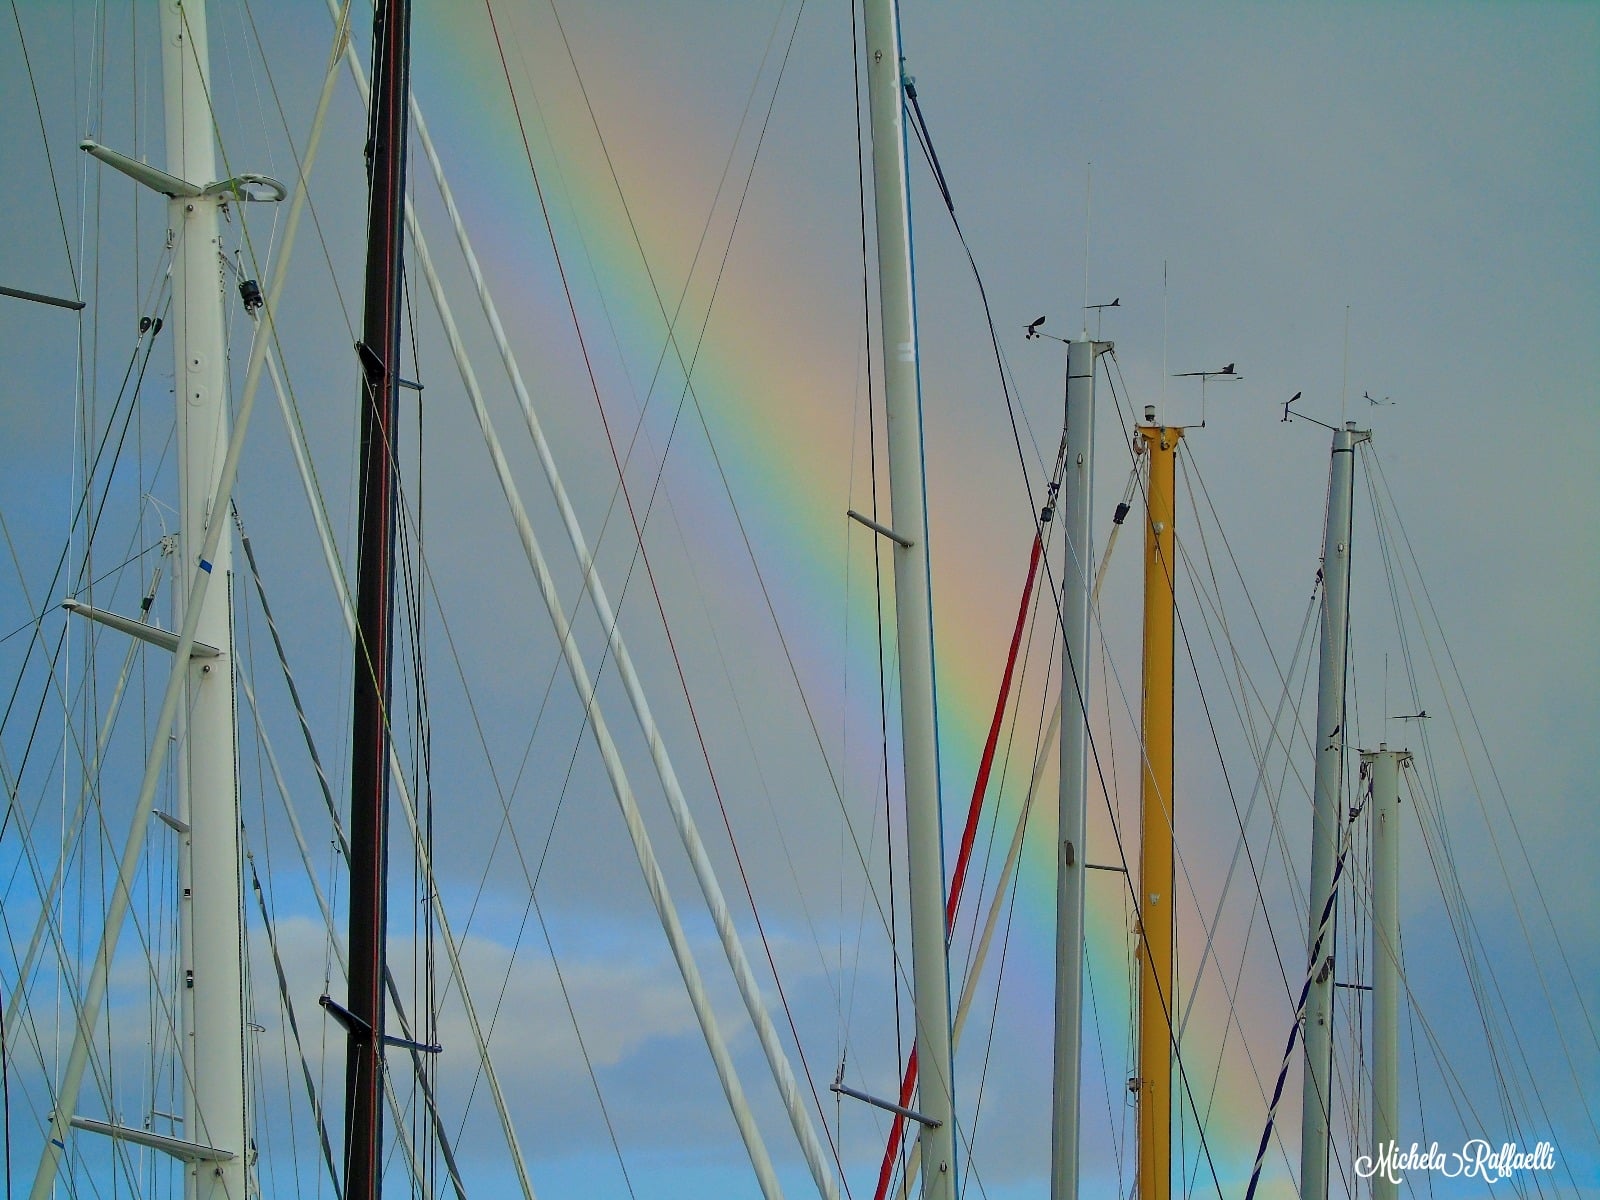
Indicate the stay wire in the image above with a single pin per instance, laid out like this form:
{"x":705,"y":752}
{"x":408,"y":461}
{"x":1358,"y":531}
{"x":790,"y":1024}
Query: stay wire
{"x":134,"y":361}
{"x":670,"y":342}
{"x":638,"y":525}
{"x":925,"y":141}
{"x":1216,"y":742}
{"x":1233,"y":800}
{"x":1405,"y":538}
{"x":1471,"y":946}
{"x":287,"y":997}
{"x":55,"y":186}
{"x":340,"y":843}
{"x":1472,"y":932}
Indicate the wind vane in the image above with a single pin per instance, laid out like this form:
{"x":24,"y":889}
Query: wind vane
{"x":1032,"y":332}
{"x":1206,"y":377}
{"x":1099,"y":312}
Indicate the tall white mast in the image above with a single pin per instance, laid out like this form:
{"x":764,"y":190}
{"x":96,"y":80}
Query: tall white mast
{"x":1385,"y":766}
{"x":913,"y":607}
{"x":214,"y":1144}
{"x":1326,"y":820}
{"x":1076,"y":583}
{"x":211,"y":940}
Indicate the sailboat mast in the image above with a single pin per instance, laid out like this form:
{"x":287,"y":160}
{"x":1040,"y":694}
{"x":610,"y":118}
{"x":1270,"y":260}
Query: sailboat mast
{"x":1326,"y":819}
{"x":913,"y":604}
{"x":1384,"y":764}
{"x":211,"y":940}
{"x":1076,"y":585}
{"x":379,"y":352}
{"x":1156,"y":823}
{"x":208,"y":864}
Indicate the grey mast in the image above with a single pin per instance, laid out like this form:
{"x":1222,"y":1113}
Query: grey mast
{"x":1326,"y":820}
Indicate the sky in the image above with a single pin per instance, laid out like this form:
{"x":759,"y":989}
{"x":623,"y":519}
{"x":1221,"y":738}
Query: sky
{"x":1394,"y":201}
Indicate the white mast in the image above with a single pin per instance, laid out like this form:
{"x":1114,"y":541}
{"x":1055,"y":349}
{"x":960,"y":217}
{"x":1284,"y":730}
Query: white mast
{"x":215,"y":1141}
{"x":1385,"y":767}
{"x":913,"y":606}
{"x":1077,"y":580}
{"x":211,"y":939}
{"x":1326,"y":822}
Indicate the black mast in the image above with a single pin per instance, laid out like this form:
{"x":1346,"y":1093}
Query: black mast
{"x":379,"y":352}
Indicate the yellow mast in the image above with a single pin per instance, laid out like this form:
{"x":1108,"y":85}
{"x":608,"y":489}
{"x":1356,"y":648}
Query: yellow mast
{"x":1156,"y":824}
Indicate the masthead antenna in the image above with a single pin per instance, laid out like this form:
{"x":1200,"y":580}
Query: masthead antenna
{"x":1164,"y":329}
{"x":1344,"y":384}
{"x":1088,"y":209}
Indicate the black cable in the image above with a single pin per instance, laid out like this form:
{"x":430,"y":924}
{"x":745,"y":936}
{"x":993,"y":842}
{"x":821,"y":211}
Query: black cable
{"x":925,"y":140}
{"x":287,"y":997}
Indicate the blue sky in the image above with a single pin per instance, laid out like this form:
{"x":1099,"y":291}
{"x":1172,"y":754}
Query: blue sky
{"x":1394,"y":199}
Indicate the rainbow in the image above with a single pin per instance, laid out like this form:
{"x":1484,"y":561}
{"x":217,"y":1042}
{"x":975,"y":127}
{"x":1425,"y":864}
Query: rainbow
{"x":786,"y":419}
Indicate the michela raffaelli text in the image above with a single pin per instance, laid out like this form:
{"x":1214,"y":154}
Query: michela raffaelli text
{"x":1476,"y":1159}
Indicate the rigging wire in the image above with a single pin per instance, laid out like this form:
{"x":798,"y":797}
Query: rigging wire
{"x":286,"y":998}
{"x":1389,"y":506}
{"x":134,"y":362}
{"x":50,"y":164}
{"x":1455,"y":897}
{"x":638,"y":524}
{"x":1013,"y":412}
{"x":342,"y":847}
{"x":1240,"y":819}
{"x":1475,"y":959}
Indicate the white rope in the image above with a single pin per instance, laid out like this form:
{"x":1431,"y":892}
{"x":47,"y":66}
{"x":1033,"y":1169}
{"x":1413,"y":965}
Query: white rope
{"x":341,"y":587}
{"x":705,"y":874}
{"x":683,"y":818}
{"x":655,"y":881}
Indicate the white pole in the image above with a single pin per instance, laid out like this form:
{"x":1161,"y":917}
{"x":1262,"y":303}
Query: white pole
{"x":1326,"y":819}
{"x":1385,"y":959}
{"x":1077,"y":581}
{"x":913,"y":604}
{"x":211,"y":938}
